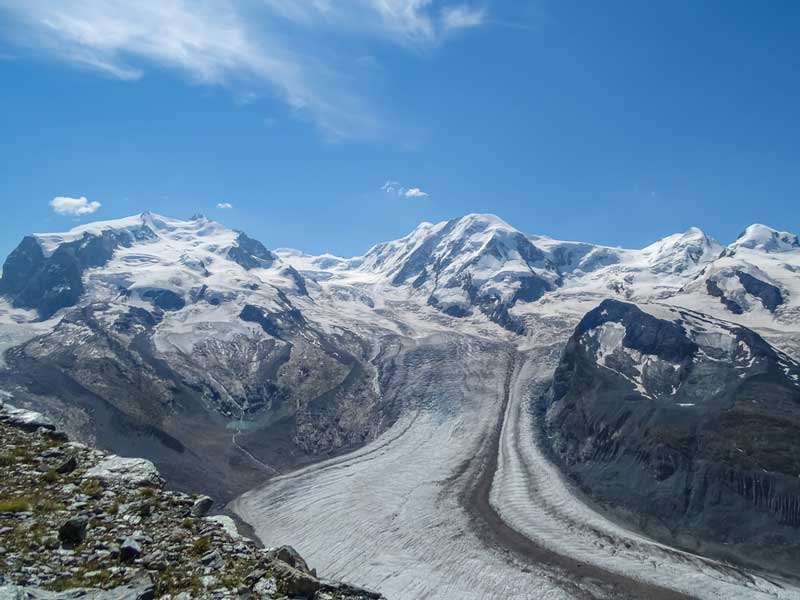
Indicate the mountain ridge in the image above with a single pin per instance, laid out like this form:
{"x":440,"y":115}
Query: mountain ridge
{"x":232,"y":365}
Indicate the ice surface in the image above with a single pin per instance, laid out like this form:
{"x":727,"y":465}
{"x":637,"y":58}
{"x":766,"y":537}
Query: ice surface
{"x":391,"y":515}
{"x":388,"y":516}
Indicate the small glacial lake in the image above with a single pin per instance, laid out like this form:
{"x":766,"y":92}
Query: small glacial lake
{"x":241,"y":425}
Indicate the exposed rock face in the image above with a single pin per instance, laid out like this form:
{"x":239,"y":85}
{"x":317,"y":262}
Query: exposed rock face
{"x":49,"y":283}
{"x":687,"y":425}
{"x":85,"y":534}
{"x":250,"y":253}
{"x":769,"y":295}
{"x":276,"y":324}
{"x":141,"y":368}
{"x":716,"y":291}
{"x":24,"y":419}
{"x":285,"y":391}
{"x":165,"y":299}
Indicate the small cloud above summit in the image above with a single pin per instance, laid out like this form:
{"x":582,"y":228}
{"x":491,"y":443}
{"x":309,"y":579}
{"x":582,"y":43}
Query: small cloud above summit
{"x":74,"y":207}
{"x":395,"y":188}
{"x":415,"y":193}
{"x":224,"y":205}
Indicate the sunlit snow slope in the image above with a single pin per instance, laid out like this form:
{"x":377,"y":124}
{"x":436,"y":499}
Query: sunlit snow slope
{"x":417,"y":370}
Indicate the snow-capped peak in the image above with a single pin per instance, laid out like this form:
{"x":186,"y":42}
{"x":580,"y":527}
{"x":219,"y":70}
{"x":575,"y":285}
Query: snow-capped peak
{"x":145,"y":225}
{"x":448,"y":246}
{"x":680,"y":252}
{"x":51,"y":241}
{"x":484,"y":221}
{"x":767,"y":239}
{"x":146,"y":255}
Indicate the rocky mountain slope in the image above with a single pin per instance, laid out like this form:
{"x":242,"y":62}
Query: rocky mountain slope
{"x":687,"y":424}
{"x":230,"y":365}
{"x":181,"y":341}
{"x":77,"y":522}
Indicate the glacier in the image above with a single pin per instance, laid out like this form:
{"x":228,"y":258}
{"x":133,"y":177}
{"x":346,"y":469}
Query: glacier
{"x":458,"y":328}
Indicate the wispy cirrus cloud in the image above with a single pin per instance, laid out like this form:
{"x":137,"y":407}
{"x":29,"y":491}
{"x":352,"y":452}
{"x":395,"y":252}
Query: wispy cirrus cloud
{"x":462,"y":17}
{"x":224,"y":205}
{"x":74,"y":207}
{"x":241,"y":44}
{"x":408,"y":21}
{"x":396,"y":189}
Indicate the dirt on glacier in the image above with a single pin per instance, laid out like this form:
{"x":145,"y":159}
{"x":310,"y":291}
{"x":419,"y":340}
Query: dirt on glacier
{"x":585,"y":581}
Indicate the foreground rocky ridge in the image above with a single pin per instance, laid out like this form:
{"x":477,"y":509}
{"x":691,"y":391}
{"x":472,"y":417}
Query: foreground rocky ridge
{"x":77,"y":522}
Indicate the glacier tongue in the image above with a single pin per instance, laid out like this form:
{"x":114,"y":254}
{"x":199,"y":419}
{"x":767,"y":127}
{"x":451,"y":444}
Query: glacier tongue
{"x":409,"y":511}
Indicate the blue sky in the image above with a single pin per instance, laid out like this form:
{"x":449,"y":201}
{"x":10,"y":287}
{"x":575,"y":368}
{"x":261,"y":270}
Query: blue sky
{"x":613,"y":122}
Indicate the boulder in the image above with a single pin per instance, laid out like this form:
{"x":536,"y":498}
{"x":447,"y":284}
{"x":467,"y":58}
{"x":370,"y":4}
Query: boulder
{"x":129,"y":550}
{"x":25,"y":419}
{"x":291,"y":557}
{"x":228,"y":524}
{"x":293,"y":582}
{"x":68,"y":466}
{"x":125,"y":471}
{"x":73,"y":532}
{"x":201,"y":506}
{"x":212,"y":559}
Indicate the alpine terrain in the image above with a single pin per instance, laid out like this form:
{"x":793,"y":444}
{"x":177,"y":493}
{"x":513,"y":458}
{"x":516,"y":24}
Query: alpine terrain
{"x":467,"y":412}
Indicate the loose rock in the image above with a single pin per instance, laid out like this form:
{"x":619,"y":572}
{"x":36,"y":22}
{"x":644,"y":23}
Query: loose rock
{"x":201,"y":506}
{"x":105,"y":529}
{"x":73,"y":532}
{"x":130,"y":550}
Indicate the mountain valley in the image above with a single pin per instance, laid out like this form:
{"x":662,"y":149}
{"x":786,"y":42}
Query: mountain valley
{"x":469,"y":411}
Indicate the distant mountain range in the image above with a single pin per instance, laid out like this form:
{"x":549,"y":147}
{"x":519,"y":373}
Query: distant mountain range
{"x":671,"y":394}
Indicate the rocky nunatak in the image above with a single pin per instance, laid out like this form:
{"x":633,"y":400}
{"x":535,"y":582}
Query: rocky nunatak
{"x":77,"y":522}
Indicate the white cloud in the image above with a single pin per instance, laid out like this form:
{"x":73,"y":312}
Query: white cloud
{"x":224,"y":205}
{"x":396,"y":189}
{"x":415,"y":193}
{"x":462,"y":17}
{"x":74,"y":207}
{"x":251,"y":47}
{"x":407,"y":21}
